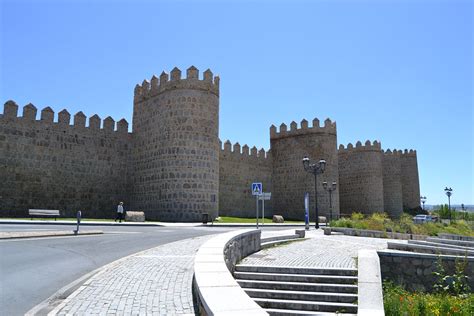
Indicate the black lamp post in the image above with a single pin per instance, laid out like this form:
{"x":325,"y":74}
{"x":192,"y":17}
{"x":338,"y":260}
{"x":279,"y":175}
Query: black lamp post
{"x":423,"y":200}
{"x":315,"y":168}
{"x":449,"y":192}
{"x":330,"y":190}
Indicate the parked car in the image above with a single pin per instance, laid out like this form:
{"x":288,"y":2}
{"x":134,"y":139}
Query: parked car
{"x":421,"y":218}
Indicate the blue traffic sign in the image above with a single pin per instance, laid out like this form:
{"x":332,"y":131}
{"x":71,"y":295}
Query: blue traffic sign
{"x":257,"y":188}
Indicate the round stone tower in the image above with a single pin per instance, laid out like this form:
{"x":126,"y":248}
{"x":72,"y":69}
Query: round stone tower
{"x":361,"y":178}
{"x":289,"y":179}
{"x":392,"y":183}
{"x":410,"y":180}
{"x":175,"y":161}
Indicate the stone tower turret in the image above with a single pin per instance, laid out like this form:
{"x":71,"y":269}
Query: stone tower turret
{"x":361,"y":178}
{"x":176,"y":146}
{"x":392,"y":183}
{"x":290,"y":181}
{"x":410,"y":180}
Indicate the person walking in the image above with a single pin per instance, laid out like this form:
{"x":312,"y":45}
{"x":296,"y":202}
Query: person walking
{"x":119,"y":212}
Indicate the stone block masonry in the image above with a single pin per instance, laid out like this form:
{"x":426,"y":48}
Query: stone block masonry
{"x":238,"y":168}
{"x":172,"y":166}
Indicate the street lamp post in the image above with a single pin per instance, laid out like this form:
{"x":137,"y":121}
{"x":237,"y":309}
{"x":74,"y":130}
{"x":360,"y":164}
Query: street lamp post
{"x":315,"y":169}
{"x":423,"y":200}
{"x":449,"y":192}
{"x":330,"y":190}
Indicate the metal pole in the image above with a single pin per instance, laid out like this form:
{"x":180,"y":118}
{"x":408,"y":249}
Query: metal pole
{"x":316,"y":225}
{"x":256,"y":199}
{"x":263,"y":210}
{"x":449,"y":207}
{"x":330,"y":206}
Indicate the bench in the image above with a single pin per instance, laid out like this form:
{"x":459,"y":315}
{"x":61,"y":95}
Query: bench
{"x":43,"y":213}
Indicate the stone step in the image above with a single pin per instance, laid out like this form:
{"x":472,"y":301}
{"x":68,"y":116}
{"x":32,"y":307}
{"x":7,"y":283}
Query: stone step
{"x":287,"y":312}
{"x":264,"y":245}
{"x":309,"y":278}
{"x":302,"y":295}
{"x":298,"y":286}
{"x":463,"y":243}
{"x":435,"y":244}
{"x":296,"y":270}
{"x":429,"y":249}
{"x":307,"y":305}
{"x":280,"y":237}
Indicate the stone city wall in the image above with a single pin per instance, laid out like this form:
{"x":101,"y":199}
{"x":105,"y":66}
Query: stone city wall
{"x":175,"y":170}
{"x":238,"y":169}
{"x":392,"y":183}
{"x":290,"y":181}
{"x":361,"y":178}
{"x":54,"y":165}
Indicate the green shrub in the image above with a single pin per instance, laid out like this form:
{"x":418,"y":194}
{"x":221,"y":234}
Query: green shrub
{"x":398,"y":301}
{"x":380,"y":221}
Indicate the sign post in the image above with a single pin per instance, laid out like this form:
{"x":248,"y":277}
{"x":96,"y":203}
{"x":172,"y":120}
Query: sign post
{"x":257,"y":190}
{"x":306,"y":210}
{"x":263,"y":197}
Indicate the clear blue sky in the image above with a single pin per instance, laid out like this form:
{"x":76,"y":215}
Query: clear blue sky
{"x":397,"y":71}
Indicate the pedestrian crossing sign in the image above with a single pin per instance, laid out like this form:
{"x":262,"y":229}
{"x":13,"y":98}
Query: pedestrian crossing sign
{"x":257,"y":188}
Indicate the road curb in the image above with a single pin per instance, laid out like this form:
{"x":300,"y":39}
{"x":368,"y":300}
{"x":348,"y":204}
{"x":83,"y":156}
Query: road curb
{"x":48,"y":234}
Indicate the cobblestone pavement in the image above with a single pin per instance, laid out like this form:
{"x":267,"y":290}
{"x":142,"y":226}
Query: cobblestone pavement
{"x":153,"y":282}
{"x":317,"y":250}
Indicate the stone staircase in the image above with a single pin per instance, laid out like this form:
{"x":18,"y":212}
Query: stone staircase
{"x":300,"y":291}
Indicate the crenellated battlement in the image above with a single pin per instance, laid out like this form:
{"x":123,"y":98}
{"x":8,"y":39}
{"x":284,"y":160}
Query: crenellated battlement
{"x":368,"y":146}
{"x":10,"y":113}
{"x":174,"y":80}
{"x":329,"y":127}
{"x":397,"y":152}
{"x":244,"y":151}
{"x":409,"y":153}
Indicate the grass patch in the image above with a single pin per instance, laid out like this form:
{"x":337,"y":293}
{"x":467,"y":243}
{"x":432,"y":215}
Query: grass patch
{"x":380,"y":221}
{"x":239,"y":220}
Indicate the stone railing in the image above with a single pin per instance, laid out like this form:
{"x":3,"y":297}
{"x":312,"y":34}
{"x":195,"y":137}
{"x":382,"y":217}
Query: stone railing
{"x":216,"y":289}
{"x":370,"y":294}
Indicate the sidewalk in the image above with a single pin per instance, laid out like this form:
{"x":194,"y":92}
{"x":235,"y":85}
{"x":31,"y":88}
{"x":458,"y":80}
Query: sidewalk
{"x":153,"y":282}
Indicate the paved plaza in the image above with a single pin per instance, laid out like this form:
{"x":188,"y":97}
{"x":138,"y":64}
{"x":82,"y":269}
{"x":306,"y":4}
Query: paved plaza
{"x":317,"y":250}
{"x":159,"y":281}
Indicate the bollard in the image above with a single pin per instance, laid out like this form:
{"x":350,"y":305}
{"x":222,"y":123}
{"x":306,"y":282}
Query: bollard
{"x":78,"y":222}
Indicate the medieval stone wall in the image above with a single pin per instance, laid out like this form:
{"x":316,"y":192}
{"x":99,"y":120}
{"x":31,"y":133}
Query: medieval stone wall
{"x":361,"y":178}
{"x":290,"y":181}
{"x":173,"y":167}
{"x":55,"y":165}
{"x":238,"y":169}
{"x":410,"y":180}
{"x":392,"y":183}
{"x":176,"y":146}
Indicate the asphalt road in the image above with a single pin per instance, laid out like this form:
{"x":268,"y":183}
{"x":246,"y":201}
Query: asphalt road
{"x":31,"y":270}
